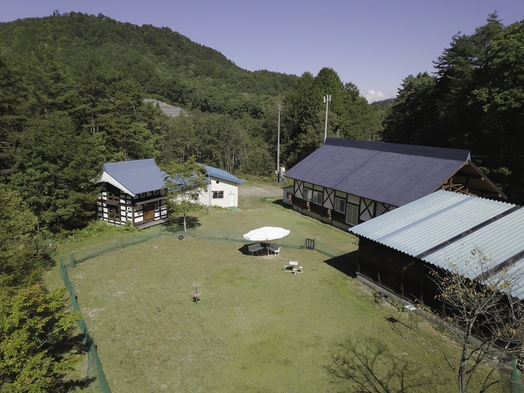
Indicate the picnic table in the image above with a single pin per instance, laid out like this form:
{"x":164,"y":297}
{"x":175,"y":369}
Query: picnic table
{"x":293,"y":267}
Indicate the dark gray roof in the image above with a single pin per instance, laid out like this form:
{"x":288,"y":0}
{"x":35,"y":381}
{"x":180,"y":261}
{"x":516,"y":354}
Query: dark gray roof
{"x":137,"y":176}
{"x":394,"y":174}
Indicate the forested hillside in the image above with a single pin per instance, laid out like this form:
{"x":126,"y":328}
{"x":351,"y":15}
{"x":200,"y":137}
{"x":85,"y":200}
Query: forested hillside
{"x":72,"y":91}
{"x":71,"y":98}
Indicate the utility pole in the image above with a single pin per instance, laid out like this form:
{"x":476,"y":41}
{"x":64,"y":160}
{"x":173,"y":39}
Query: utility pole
{"x":278,"y":146}
{"x":327,"y":100}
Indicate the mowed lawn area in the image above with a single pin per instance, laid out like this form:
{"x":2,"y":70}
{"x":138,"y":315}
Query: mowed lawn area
{"x":256,"y":327}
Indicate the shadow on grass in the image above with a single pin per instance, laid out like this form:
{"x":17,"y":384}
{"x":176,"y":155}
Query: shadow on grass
{"x":61,"y":350}
{"x":280,"y":202}
{"x":245,"y":250}
{"x":347,"y":263}
{"x":177,"y":223}
{"x":370,"y":365}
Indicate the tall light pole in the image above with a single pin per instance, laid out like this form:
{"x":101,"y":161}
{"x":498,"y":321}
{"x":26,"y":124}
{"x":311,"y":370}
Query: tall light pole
{"x":327,"y":100}
{"x":278,"y":146}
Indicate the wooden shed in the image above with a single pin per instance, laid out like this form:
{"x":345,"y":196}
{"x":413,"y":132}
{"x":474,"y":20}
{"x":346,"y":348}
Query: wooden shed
{"x":398,"y":250}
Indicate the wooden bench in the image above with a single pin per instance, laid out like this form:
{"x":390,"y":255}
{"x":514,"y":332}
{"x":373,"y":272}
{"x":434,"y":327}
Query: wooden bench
{"x":255,"y":248}
{"x":274,"y":249}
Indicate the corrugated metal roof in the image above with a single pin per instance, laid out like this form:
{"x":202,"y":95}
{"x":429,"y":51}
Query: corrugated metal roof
{"x":379,"y":171}
{"x":445,"y":227}
{"x":137,"y":176}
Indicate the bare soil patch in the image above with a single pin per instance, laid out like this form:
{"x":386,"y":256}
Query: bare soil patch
{"x":266,"y":190}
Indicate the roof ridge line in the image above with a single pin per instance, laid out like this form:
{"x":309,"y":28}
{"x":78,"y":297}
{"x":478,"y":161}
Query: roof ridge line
{"x":468,"y":232}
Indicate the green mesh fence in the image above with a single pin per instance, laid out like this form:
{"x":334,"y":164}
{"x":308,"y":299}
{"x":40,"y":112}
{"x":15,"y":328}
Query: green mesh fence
{"x":516,"y":386}
{"x":287,"y":242}
{"x":94,"y":368}
{"x":95,"y":373}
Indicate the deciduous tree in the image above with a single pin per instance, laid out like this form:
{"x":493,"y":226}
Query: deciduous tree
{"x":483,"y":316}
{"x":34,"y":327}
{"x":184,"y":183}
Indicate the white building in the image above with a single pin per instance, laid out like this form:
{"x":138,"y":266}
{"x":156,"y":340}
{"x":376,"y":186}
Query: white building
{"x":222,"y":189}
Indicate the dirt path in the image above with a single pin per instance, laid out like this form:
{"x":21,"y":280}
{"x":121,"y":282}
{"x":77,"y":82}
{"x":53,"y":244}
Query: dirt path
{"x":262,"y":191}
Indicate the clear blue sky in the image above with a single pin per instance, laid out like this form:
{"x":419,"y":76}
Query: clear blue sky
{"x":374,"y":44}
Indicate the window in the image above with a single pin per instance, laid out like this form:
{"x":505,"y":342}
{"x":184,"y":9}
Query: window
{"x":340,"y":205}
{"x":218,"y":194}
{"x":352,"y":214}
{"x":317,"y":197}
{"x":112,"y":197}
{"x":308,"y":194}
{"x":114,"y":213}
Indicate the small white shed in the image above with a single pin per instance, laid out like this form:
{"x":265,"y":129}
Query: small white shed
{"x":222,"y":189}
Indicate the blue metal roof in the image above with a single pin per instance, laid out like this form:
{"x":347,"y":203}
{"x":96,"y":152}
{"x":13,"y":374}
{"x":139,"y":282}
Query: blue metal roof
{"x":222,"y":175}
{"x":394,"y":174}
{"x":445,"y":227}
{"x":144,"y":175}
{"x":137,"y":176}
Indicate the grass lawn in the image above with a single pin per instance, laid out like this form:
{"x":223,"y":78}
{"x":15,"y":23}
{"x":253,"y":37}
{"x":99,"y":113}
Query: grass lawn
{"x":256,"y":328}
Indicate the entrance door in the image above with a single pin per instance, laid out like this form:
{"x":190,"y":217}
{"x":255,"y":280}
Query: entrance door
{"x":149,"y":212}
{"x":231,"y":200}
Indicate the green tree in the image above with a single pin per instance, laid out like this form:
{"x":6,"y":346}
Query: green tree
{"x":12,"y":93}
{"x":184,"y":184}
{"x":128,"y":134}
{"x":359,"y":120}
{"x":224,"y":142}
{"x":54,"y":171}
{"x":95,"y":81}
{"x":178,"y":141}
{"x":498,"y":98}
{"x":413,"y":116}
{"x":21,"y":263}
{"x":34,"y":327}
{"x":52,"y":88}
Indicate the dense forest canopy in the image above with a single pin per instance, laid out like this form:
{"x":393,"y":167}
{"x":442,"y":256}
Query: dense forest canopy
{"x":77,"y":82}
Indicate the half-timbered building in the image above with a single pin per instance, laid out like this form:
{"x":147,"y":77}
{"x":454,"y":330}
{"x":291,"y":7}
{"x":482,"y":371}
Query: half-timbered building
{"x":347,"y":182}
{"x":132,"y":192}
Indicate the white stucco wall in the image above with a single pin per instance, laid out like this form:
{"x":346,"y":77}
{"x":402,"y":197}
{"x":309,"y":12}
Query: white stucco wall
{"x":228,"y":190}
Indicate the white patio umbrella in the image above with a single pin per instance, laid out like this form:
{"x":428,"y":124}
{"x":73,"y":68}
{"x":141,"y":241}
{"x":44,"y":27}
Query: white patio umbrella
{"x":264,"y":234}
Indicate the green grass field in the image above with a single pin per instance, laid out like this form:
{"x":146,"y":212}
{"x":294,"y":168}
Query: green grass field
{"x":256,"y":327}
